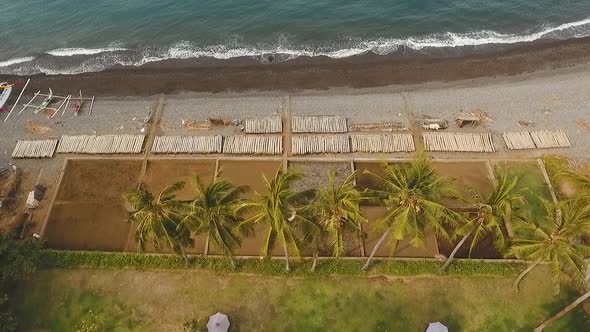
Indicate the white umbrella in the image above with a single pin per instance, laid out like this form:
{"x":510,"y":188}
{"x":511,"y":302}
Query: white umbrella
{"x":434,"y":327}
{"x":218,"y":323}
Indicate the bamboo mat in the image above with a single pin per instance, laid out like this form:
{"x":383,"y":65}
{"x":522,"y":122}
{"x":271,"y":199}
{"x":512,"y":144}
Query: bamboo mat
{"x":459,"y":142}
{"x":309,"y":144}
{"x":104,"y":144}
{"x":268,"y":125}
{"x":187,"y":144}
{"x":384,"y":143}
{"x":319,"y":124}
{"x":34,"y":149}
{"x":253,"y":144}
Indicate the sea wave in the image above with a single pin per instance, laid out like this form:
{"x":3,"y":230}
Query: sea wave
{"x":83,"y":51}
{"x":15,"y":61}
{"x":58,"y":61}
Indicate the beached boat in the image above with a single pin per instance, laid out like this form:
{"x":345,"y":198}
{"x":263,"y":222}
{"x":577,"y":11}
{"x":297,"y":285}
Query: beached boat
{"x":48,"y":99}
{"x":5,"y":90}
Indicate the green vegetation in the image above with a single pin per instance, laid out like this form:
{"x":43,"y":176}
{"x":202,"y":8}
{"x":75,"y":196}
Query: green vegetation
{"x":491,"y":212}
{"x":129,"y":300}
{"x":411,"y":194}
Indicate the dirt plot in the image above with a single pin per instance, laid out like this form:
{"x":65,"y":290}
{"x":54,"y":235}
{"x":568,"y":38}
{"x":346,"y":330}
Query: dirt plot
{"x":88,"y":212}
{"x":98,"y":179}
{"x":161,"y":173}
{"x":463,"y":175}
{"x":250,"y":172}
{"x":404,"y":248}
{"x":316,"y":173}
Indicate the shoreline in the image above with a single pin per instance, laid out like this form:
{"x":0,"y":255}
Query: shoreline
{"x":315,"y":73}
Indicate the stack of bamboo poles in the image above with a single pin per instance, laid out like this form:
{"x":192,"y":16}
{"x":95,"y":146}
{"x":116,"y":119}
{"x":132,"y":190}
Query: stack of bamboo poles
{"x":459,"y":142}
{"x":271,"y":124}
{"x":319,"y":124}
{"x":382,"y":143}
{"x":253,"y":144}
{"x":105,"y":144}
{"x":35,"y":149}
{"x":308,"y":144}
{"x":520,"y":140}
{"x":545,"y":139}
{"x":187,"y":144}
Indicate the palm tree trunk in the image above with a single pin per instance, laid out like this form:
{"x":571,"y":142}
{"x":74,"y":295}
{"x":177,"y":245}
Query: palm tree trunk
{"x":377,"y":245}
{"x":286,"y":257}
{"x":563,"y":312}
{"x":517,"y":281}
{"x":186,"y":260}
{"x":315,"y":260}
{"x":448,"y":262}
{"x":207,"y":245}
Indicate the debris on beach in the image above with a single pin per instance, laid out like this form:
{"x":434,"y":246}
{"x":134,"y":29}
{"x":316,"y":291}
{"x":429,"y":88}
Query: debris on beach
{"x":583,"y":123}
{"x":219,"y":122}
{"x":433,"y":123}
{"x":383,"y":126}
{"x":196,"y":125}
{"x":474,"y":117}
{"x":36,"y":129}
{"x":523,"y":123}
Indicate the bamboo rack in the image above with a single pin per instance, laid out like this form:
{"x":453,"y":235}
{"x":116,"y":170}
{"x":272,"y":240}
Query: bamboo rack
{"x":253,"y":144}
{"x":35,"y":149}
{"x":268,"y":125}
{"x":105,"y":144}
{"x":309,"y":144}
{"x":319,"y":124}
{"x":520,"y":140}
{"x":545,"y":139}
{"x":459,"y":142}
{"x":187,"y":144}
{"x":382,"y":143}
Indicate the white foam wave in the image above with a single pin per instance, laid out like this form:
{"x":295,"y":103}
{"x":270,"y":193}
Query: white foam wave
{"x":83,"y":51}
{"x":16,"y":61}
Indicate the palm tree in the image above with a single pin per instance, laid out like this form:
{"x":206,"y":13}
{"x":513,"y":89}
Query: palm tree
{"x":336,"y":209}
{"x":280,"y":208}
{"x":157,"y":218}
{"x":212,"y":212}
{"x":491,"y":213}
{"x":555,"y":239}
{"x":410,"y":194}
{"x":582,"y":181}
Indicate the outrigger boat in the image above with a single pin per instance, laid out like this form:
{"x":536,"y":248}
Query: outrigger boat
{"x":48,"y":99}
{"x":5,"y":90}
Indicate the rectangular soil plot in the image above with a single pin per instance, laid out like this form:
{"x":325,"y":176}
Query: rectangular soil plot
{"x":463,"y":176}
{"x":250,"y":173}
{"x":88,"y":211}
{"x":404,"y":248}
{"x":161,"y":173}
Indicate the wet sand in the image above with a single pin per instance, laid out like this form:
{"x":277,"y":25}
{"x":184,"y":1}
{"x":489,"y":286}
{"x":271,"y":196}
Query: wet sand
{"x":369,"y":70}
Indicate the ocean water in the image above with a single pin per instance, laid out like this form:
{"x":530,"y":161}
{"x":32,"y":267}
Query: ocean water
{"x":61,"y":36}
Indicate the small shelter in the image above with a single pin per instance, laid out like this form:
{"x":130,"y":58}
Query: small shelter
{"x":218,"y":323}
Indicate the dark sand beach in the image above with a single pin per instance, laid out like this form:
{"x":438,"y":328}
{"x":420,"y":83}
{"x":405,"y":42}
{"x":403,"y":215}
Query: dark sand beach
{"x":369,"y":70}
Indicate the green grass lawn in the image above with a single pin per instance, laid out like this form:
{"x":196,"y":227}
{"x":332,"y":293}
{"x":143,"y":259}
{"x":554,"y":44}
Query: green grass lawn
{"x":128,"y":300}
{"x":531,"y":178}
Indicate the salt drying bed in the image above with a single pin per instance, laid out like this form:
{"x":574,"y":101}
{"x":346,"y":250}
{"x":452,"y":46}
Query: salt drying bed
{"x":319,"y":124}
{"x":253,"y":144}
{"x":382,"y":143}
{"x":308,"y":144}
{"x":271,"y":124}
{"x":187,"y":144}
{"x":105,"y":144}
{"x":459,"y":142}
{"x":35,"y":149}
